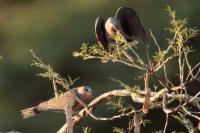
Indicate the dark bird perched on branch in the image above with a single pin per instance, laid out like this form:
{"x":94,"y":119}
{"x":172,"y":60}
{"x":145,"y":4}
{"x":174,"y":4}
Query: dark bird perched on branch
{"x":125,"y":21}
{"x":59,"y":104}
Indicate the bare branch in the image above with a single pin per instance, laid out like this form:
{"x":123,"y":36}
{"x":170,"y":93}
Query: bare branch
{"x":137,"y":119}
{"x":55,"y":88}
{"x":69,"y":121}
{"x":166,"y":122}
{"x":138,"y":98}
{"x":147,"y":93}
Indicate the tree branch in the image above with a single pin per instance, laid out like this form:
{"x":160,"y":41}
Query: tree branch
{"x":138,"y":98}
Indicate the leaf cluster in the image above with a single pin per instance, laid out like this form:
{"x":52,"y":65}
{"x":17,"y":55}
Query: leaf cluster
{"x":181,"y":117}
{"x":51,"y":74}
{"x":115,"y":50}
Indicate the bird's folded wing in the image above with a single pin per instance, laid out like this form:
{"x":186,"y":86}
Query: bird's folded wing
{"x":59,"y":103}
{"x":130,"y":23}
{"x":100,"y":32}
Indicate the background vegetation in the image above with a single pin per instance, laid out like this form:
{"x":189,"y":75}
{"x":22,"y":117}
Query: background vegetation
{"x":56,"y":28}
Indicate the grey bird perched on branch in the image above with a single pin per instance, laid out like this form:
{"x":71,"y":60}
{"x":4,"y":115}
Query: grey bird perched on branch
{"x":125,"y":21}
{"x":84,"y":93}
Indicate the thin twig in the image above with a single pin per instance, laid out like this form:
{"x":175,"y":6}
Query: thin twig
{"x":55,"y":88}
{"x":166,"y":122}
{"x":190,"y":114}
{"x":157,"y":67}
{"x":155,"y":41}
{"x":148,"y":57}
{"x":190,"y":72}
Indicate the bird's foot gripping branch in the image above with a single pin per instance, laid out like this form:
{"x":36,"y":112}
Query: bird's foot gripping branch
{"x":165,"y":93}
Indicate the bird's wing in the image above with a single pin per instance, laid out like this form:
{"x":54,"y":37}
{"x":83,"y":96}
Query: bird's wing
{"x":100,"y":32}
{"x":130,"y":23}
{"x":57,"y":104}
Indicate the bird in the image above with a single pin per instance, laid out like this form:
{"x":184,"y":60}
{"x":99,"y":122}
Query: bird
{"x":59,"y":104}
{"x":125,"y":21}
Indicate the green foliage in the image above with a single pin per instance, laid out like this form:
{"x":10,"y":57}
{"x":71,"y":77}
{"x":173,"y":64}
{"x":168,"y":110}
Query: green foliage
{"x":179,"y":42}
{"x":118,"y":130}
{"x":134,"y":88}
{"x":48,"y":26}
{"x":115,"y":50}
{"x":120,"y":104}
{"x":181,"y":117}
{"x":145,"y":121}
{"x":122,"y":130}
{"x":118,"y":52}
{"x":131,"y":125}
{"x":51,"y":74}
{"x":181,"y":31}
{"x":122,"y":84}
{"x":159,"y":56}
{"x":117,"y":105}
{"x":87,"y":51}
{"x":86,"y":130}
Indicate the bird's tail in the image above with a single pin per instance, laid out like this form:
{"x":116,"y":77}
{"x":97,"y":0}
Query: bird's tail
{"x":29,"y":112}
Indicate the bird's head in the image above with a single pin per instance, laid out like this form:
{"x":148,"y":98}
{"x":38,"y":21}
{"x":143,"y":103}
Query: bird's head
{"x":85,"y":92}
{"x":112,"y":25}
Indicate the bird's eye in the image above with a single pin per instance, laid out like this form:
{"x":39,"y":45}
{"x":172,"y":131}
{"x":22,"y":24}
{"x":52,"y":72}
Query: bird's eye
{"x":86,"y":89}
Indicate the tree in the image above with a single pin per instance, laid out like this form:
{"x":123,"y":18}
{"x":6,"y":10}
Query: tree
{"x":162,"y":95}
